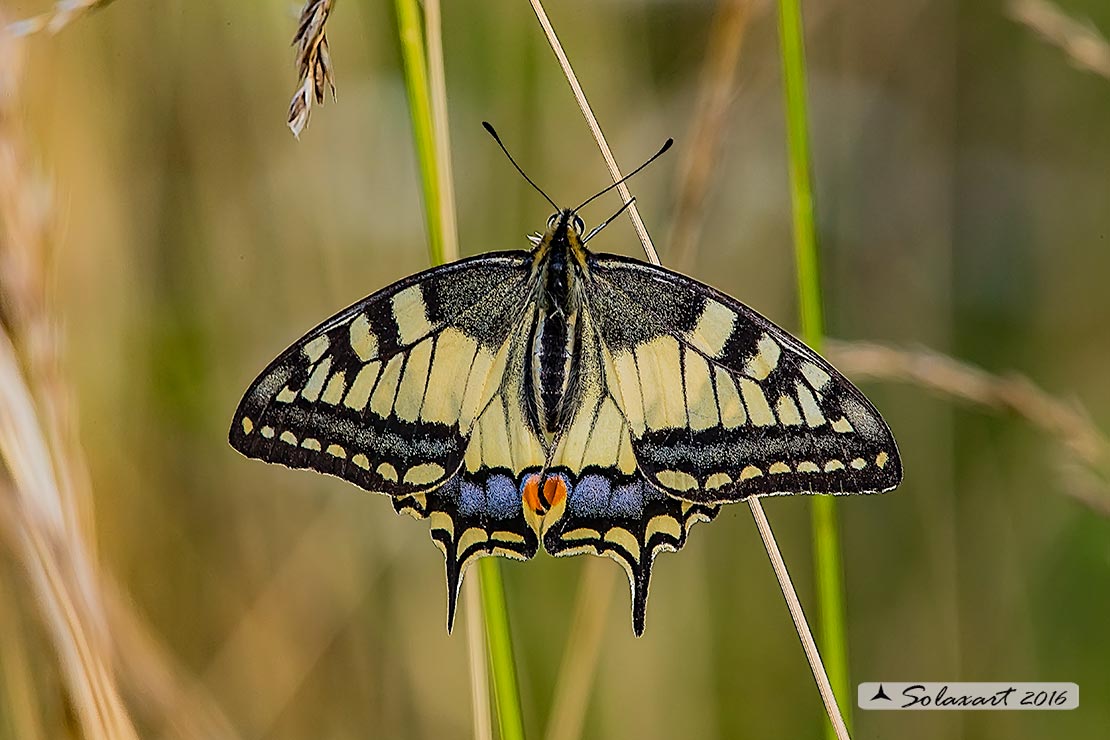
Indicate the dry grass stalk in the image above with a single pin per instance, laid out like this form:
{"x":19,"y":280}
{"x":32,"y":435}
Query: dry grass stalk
{"x":1065,"y":421}
{"x":41,"y":521}
{"x":576,"y":674}
{"x":64,"y":13}
{"x":805,"y":635}
{"x":314,"y":65}
{"x":1081,"y":41}
{"x":707,"y":132}
{"x":797,"y":615}
{"x":476,"y":649}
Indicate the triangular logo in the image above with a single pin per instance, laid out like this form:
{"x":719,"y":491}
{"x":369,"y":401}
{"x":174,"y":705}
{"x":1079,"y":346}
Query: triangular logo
{"x":880,"y":694}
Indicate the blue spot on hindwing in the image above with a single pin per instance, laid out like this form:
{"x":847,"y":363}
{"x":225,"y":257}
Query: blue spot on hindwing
{"x":628,"y":500}
{"x":503,"y":498}
{"x":590,"y":497}
{"x":472,"y":498}
{"x":496,"y":498}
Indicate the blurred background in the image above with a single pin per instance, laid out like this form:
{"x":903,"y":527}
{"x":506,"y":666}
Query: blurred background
{"x":174,"y":237}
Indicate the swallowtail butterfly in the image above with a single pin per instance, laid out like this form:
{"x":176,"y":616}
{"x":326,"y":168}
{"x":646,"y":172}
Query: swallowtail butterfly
{"x":594,"y":403}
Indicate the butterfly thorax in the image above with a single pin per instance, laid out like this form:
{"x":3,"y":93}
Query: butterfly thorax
{"x":554,"y":338}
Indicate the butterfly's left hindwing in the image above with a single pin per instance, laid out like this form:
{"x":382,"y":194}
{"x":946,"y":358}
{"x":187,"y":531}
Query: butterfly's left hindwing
{"x":415,"y":392}
{"x":471,"y":516}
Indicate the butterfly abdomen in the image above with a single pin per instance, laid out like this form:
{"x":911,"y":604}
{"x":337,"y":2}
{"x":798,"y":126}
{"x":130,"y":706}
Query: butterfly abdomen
{"x":554,"y":345}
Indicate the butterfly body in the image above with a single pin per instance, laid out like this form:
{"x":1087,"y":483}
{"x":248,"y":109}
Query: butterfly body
{"x":588,"y":402}
{"x":559,"y":260}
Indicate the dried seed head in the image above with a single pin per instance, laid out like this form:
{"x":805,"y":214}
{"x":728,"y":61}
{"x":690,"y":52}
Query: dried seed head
{"x":314,"y":66}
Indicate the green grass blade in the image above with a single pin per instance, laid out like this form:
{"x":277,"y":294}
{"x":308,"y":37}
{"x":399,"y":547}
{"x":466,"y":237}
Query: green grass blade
{"x":826,"y":533}
{"x":805,"y":234}
{"x":495,"y":612}
{"x":510,"y":718}
{"x":411,"y":34}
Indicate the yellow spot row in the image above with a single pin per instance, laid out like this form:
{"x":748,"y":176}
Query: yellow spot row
{"x":677,"y":480}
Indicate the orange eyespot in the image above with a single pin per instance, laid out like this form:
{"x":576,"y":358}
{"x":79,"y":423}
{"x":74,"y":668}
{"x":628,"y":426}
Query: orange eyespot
{"x":531,"y":494}
{"x":554,"y":491}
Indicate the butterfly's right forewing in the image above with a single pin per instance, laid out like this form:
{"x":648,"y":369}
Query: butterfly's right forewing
{"x":722,"y":404}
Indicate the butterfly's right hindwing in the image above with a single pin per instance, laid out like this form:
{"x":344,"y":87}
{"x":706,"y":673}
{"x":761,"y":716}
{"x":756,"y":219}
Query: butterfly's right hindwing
{"x":627,"y":519}
{"x":385,"y":393}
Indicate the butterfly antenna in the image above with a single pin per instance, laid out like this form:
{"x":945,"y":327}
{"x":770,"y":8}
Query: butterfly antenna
{"x":497,"y":138}
{"x":657,"y":155}
{"x":606,"y":222}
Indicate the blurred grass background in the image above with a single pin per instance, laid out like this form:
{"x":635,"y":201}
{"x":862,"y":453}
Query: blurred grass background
{"x":961,"y":174}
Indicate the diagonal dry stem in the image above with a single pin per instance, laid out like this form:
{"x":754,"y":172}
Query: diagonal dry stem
{"x":795,"y":607}
{"x":1066,"y":421}
{"x":595,"y":129}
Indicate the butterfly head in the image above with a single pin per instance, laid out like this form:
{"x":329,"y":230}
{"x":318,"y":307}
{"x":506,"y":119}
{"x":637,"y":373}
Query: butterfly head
{"x":566,"y":220}
{"x":563,"y":239}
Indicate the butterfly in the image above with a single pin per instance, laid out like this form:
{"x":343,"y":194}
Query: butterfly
{"x":592,"y":402}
